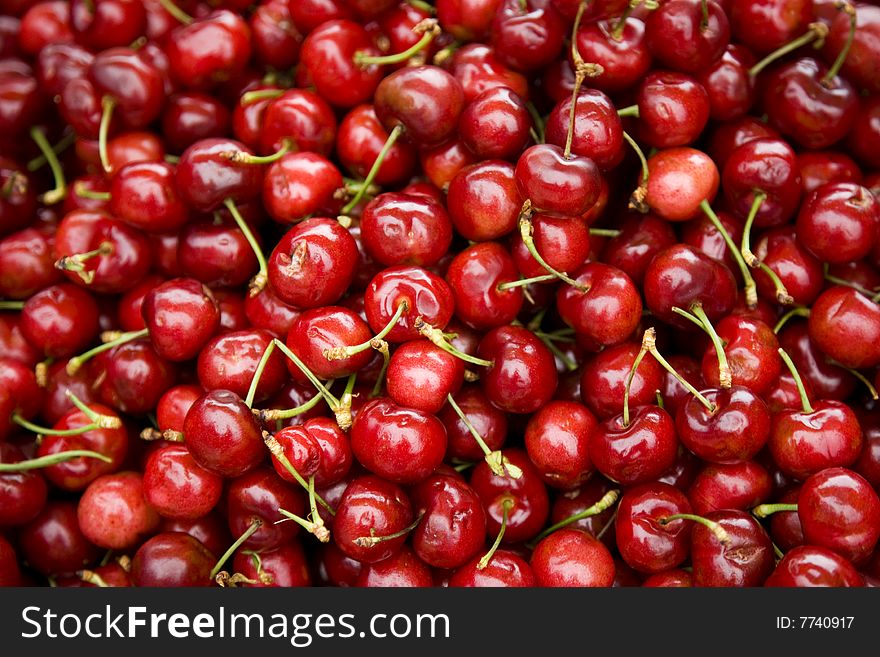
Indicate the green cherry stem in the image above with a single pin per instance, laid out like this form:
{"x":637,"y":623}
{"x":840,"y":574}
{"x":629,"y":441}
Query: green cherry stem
{"x":176,"y":12}
{"x":631,"y":110}
{"x":815,"y":32}
{"x":321,"y":533}
{"x":53,"y":459}
{"x":374,"y":170}
{"x":108,"y":104}
{"x":252,"y":97}
{"x":637,"y":198}
{"x":436,"y":336}
{"x":764,"y":510}
{"x":526,"y":232}
{"x":506,"y":506}
{"x":241,"y":157}
{"x":608,"y":500}
{"x":57,"y":193}
{"x":250,"y":531}
{"x":497,"y":462}
{"x":339,"y":353}
{"x":751,"y":290}
{"x":802,"y":391}
{"x":745,"y":248}
{"x":258,"y":282}
{"x":272,"y":414}
{"x":428,"y":28}
{"x":80,"y":189}
{"x":77,"y":262}
{"x":77,"y":362}
{"x":846,"y":8}
{"x":63,"y":144}
{"x":649,"y":343}
{"x":725,"y":380}
{"x":372,"y":539}
{"x":11,"y":305}
{"x":717,"y":530}
{"x":629,"y":378}
{"x":798,"y":311}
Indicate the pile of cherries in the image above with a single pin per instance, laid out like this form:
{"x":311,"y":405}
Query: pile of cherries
{"x":453,"y":293}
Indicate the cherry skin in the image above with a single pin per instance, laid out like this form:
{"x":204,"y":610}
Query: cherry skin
{"x":420,"y":375}
{"x":495,"y":125}
{"x":176,"y":486}
{"x":258,"y":495}
{"x":229,"y":361}
{"x":222,"y":434}
{"x":766,"y":25}
{"x":26,"y":263}
{"x":526,"y":36}
{"x":563,"y":242}
{"x":10,"y":575}
{"x":838,"y":222}
{"x":811,"y":565}
{"x":172,"y":559}
{"x":23,"y":494}
{"x":673,"y":109}
{"x":371,"y":507}
{"x":191,"y":116}
{"x":746,"y":561}
{"x":320,"y":329}
{"x":821,"y":167}
{"x":424,"y":293}
{"x":525,"y":498}
{"x":299,"y":185}
{"x":403,"y":569}
{"x":739,"y":486}
{"x":405,"y":229}
{"x":477,"y":68}
{"x":641,"y":237}
{"x":730,"y":88}
{"x":53,"y":543}
{"x":839,"y":510}
{"x":399,"y":444}
{"x":553,"y":182}
{"x":474,"y":275}
{"x":132,"y":377}
{"x":359,"y":141}
{"x":571,"y":557}
{"x":209,"y":51}
{"x":113,"y":512}
{"x":679,"y":179}
{"x":604,"y":377}
{"x":505,"y":569}
{"x":453,"y":527}
{"x":800,"y":272}
{"x":523,"y":375}
{"x":210,"y":530}
{"x":644,"y":543}
{"x":769,"y":166}
{"x":845,"y":326}
{"x":484,"y":201}
{"x":557,"y":438}
{"x":751,"y":349}
{"x":680,"y":37}
{"x":206,"y":176}
{"x":285,"y":566}
{"x":181,"y":315}
{"x":490,"y":422}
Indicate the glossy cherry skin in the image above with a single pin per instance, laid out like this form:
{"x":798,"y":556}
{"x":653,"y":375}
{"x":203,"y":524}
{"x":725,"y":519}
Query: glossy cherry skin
{"x":229,"y":361}
{"x":571,"y":557}
{"x":826,"y":380}
{"x":811,"y":566}
{"x":526,"y":498}
{"x":420,"y":375}
{"x":644,"y":543}
{"x":797,"y":268}
{"x":222,"y":434}
{"x":678,"y":36}
{"x":839,"y":510}
{"x":751,"y":349}
{"x":453,"y":527}
{"x":359,"y":140}
{"x":495,"y":125}
{"x":813,"y":114}
{"x":172,"y":559}
{"x":477,"y":68}
{"x":608,"y":311}
{"x":205,"y":178}
{"x":527,"y":36}
{"x":371,"y":506}
{"x":144,"y":195}
{"x":641,"y":238}
{"x":403,"y":569}
{"x":318,"y":448}
{"x":181,"y":315}
{"x":258,"y":495}
{"x":735,"y":431}
{"x":399,"y":444}
{"x":839,"y":221}
{"x":328,"y":327}
{"x":10,"y":574}
{"x":53,"y":543}
{"x":555,"y":183}
{"x":178,"y":487}
{"x":23,"y":494}
{"x":313,"y":264}
{"x":766,"y":25}
{"x":209,"y":51}
{"x":769,"y":166}
{"x":174,"y":404}
{"x":425,"y":100}
{"x":132,"y":377}
{"x":26,"y":263}
{"x":562,"y":241}
{"x":484,"y":201}
{"x":113,"y":512}
{"x":505,"y":569}
{"x":638,"y":452}
{"x":673,"y":109}
{"x":805,"y":443}
{"x":746,"y":562}
{"x":679,"y":179}
{"x":285,"y":566}
{"x":405,"y":229}
{"x":191,"y":116}
{"x":60,"y":320}
{"x":730,"y":88}
{"x":598,"y":132}
{"x":300,"y":119}
{"x":739,"y":486}
{"x":426,"y":295}
{"x":523,"y":375}
{"x":603,"y":380}
{"x":474,"y":276}
{"x":821,"y":167}
{"x":845,"y":326}
{"x":299,"y":185}
{"x":681,"y":276}
{"x":489,"y":421}
{"x":557,"y":438}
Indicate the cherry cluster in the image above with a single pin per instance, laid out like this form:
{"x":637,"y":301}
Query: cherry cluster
{"x":463,"y":293}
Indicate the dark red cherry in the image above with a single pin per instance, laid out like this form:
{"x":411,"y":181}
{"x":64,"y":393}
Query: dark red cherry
{"x":505,"y":569}
{"x":359,"y":141}
{"x":557,"y":440}
{"x":172,"y":559}
{"x":191,"y":116}
{"x":556,"y":183}
{"x":113,"y":512}
{"x":489,"y":421}
{"x":526,"y":35}
{"x":426,"y":295}
{"x":474,"y":275}
{"x":751,"y":350}
{"x":484,"y":201}
{"x":687,"y":36}
{"x":60,"y":320}
{"x":765,"y":25}
{"x":827,"y":381}
{"x":300,"y":118}
{"x":285,"y":566}
{"x":739,"y":486}
{"x":673,"y":109}
{"x":746,"y":560}
{"x":845,"y":326}
{"x":800,"y":272}
{"x":420,"y":375}
{"x":181,"y":315}
{"x":597,"y":134}
{"x":405,"y":229}
{"x":571,"y":557}
{"x":641,"y":237}
{"x":229,"y":361}
{"x":107,"y":23}
{"x":300,"y":185}
{"x":144,"y":195}
{"x":52,"y":543}
{"x":604,"y":378}
{"x":23,"y":494}
{"x":838,"y":222}
{"x":522,"y":377}
{"x":495,"y":125}
{"x":209,"y":51}
{"x":821,"y":167}
{"x":403,"y":569}
{"x":258,"y":495}
{"x":19,"y":200}
{"x":621,"y":49}
{"x":26,"y":263}
{"x":328,"y":327}
{"x":207,"y":174}
{"x":810,"y":566}
{"x":477,"y":69}
{"x":178,"y":487}
{"x":858,"y":67}
{"x":730,"y":88}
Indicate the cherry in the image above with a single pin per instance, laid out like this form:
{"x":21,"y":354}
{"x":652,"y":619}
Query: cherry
{"x":821,"y":167}
{"x":495,"y":124}
{"x":604,"y":379}
{"x":845,"y":326}
{"x":484,"y":200}
{"x":181,"y":315}
{"x":60,"y":320}
{"x":621,"y":48}
{"x":465,"y":20}
{"x":557,"y":439}
{"x":107,"y":23}
{"x":743,"y":559}
{"x":687,"y":36}
{"x":808,"y":566}
{"x":172,"y":559}
{"x":45,"y":23}
{"x":554,"y":181}
{"x":209,"y":173}
{"x":190,"y":116}
{"x":52,"y":542}
{"x":857,"y":66}
{"x":477,"y":68}
{"x":359,"y":141}
{"x":209,"y":51}
{"x":400,"y":444}
{"x":673,"y":109}
{"x":10,"y":575}
{"x":230,"y":360}
{"x":23,"y":493}
{"x":730,"y":88}
{"x":285,"y":566}
{"x":675,"y":578}
{"x":130,"y":377}
{"x":524,"y":37}
{"x":838,"y":222}
{"x":210,"y":530}
{"x":560,"y":242}
{"x":254,"y":502}
{"x":276,"y":39}
{"x":402,"y":569}
{"x":176,"y":486}
{"x":735,"y":486}
{"x":489,"y":422}
{"x":571,"y":557}
{"x":26,"y":263}
{"x":679,"y":180}
{"x":420,"y":375}
{"x":18,"y":198}
{"x":751,"y":350}
{"x":475,"y":276}
{"x":318,"y":448}
{"x":113,"y":512}
{"x":372,"y":519}
{"x":453,"y":526}
{"x":222,"y":434}
{"x":798,"y":270}
{"x":405,"y":229}
{"x":506,"y":569}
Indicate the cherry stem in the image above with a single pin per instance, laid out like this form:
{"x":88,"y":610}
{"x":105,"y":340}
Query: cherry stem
{"x":77,"y":362}
{"x":523,"y":282}
{"x":630,"y":110}
{"x":745,"y":248}
{"x":637,"y":198}
{"x":251,"y":97}
{"x":617,"y":28}
{"x":704,"y":22}
{"x":725,"y":380}
{"x":259,"y":281}
{"x":805,"y":400}
{"x":426,"y":7}
{"x":629,"y":378}
{"x":372,"y":539}
{"x":582,"y":70}
{"x":537,"y":121}
{"x":506,"y":505}
{"x":241,"y":157}
{"x":176,"y":12}
{"x":781,"y":292}
{"x":250,"y":531}
{"x":649,"y":343}
{"x":11,"y":305}
{"x":320,"y":531}
{"x":842,"y":281}
{"x":76,"y":262}
{"x":764,"y":510}
{"x":57,"y":193}
{"x":63,"y":144}
{"x":660,"y":403}
{"x":386,"y":359}
{"x":498,"y":464}
{"x":53,"y":459}
{"x":719,"y":532}
{"x":436,"y":336}
{"x":608,"y":500}
{"x":335,"y":404}
{"x":339,"y":353}
{"x":15,"y":183}
{"x":815,"y":32}
{"x":751,"y":290}
{"x":108,"y":104}
{"x":799,"y":311}
{"x":861,"y":377}
{"x":428,"y":28}
{"x":526,"y":232}
{"x":605,"y":232}
{"x":93,"y":578}
{"x":549,"y":340}
{"x":80,"y":189}
{"x":848,"y":9}
{"x":371,"y":175}
{"x":170,"y":435}
{"x":271,"y":414}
